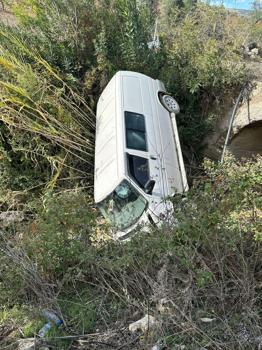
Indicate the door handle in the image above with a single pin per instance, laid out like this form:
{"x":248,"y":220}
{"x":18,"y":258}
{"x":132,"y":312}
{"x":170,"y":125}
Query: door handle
{"x":153,"y":157}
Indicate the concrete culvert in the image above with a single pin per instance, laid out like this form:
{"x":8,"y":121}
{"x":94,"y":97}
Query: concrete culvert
{"x":246,"y":133}
{"x":248,"y":141}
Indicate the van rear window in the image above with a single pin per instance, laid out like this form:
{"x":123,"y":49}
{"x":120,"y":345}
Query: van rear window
{"x":135,"y":131}
{"x":138,"y":169}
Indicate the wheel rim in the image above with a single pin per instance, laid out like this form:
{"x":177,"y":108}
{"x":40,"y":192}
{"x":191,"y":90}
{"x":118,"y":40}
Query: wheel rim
{"x":170,"y":103}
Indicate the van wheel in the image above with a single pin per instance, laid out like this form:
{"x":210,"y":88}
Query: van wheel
{"x":169,"y":103}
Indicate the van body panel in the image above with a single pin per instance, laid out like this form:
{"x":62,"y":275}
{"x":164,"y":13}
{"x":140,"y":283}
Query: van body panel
{"x":136,"y":93}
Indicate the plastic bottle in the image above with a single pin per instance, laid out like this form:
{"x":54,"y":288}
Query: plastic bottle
{"x":53,"y":319}
{"x":44,"y":329}
{"x":51,"y":316}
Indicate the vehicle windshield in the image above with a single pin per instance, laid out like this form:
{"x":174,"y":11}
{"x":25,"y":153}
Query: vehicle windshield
{"x":124,"y":206}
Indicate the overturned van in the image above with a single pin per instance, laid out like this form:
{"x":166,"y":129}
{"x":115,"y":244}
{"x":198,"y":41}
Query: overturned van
{"x":138,"y":159}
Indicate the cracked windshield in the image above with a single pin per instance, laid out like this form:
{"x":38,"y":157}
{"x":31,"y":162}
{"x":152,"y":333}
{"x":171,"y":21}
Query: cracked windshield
{"x":123,"y":206}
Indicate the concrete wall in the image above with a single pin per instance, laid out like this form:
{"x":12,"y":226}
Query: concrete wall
{"x":246,"y":136}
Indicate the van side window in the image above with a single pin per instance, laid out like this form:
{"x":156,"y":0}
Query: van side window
{"x":138,"y":169}
{"x":135,"y":131}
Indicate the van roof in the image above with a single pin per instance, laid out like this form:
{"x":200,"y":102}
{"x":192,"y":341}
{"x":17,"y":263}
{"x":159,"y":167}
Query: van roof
{"x":106,"y":153}
{"x":109,"y":150}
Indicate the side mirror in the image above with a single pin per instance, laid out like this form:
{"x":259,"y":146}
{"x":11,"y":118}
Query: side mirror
{"x":149,"y":186}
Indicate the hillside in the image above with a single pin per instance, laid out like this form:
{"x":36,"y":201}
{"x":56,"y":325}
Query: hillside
{"x":196,"y":283}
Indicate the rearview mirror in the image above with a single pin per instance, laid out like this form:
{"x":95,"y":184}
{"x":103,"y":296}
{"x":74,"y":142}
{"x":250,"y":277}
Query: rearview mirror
{"x":149,"y":186}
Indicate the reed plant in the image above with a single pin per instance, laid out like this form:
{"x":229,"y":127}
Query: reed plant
{"x":36,"y":100}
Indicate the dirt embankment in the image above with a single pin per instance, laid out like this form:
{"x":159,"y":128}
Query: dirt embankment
{"x":6,"y":16}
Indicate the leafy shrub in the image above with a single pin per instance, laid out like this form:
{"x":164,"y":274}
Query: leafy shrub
{"x":203,"y":67}
{"x":46,"y":126}
{"x":62,"y":32}
{"x":59,"y":239}
{"x":79,"y":37}
{"x":200,"y":268}
{"x":199,"y":58}
{"x":18,"y":160}
{"x":256,"y":33}
{"x":203,"y":55}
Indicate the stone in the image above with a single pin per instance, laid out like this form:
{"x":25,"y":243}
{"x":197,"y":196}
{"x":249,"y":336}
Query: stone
{"x":30,"y":344}
{"x":255,"y":51}
{"x":10,"y":217}
{"x":156,"y":347}
{"x":162,"y":306}
{"x":143,"y":325}
{"x":26,"y":344}
{"x":207,"y":319}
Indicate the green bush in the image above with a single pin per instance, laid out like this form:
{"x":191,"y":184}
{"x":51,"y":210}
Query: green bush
{"x":59,"y":239}
{"x":203,"y":267}
{"x":203,"y":67}
{"x":47,"y":129}
{"x":61,"y":31}
{"x":199,"y":58}
{"x":79,"y":37}
{"x":203,"y":55}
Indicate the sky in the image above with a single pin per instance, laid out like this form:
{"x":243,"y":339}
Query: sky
{"x":237,"y":4}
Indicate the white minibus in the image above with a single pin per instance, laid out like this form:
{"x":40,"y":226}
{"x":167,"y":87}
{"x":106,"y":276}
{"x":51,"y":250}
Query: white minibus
{"x":138,"y":158}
